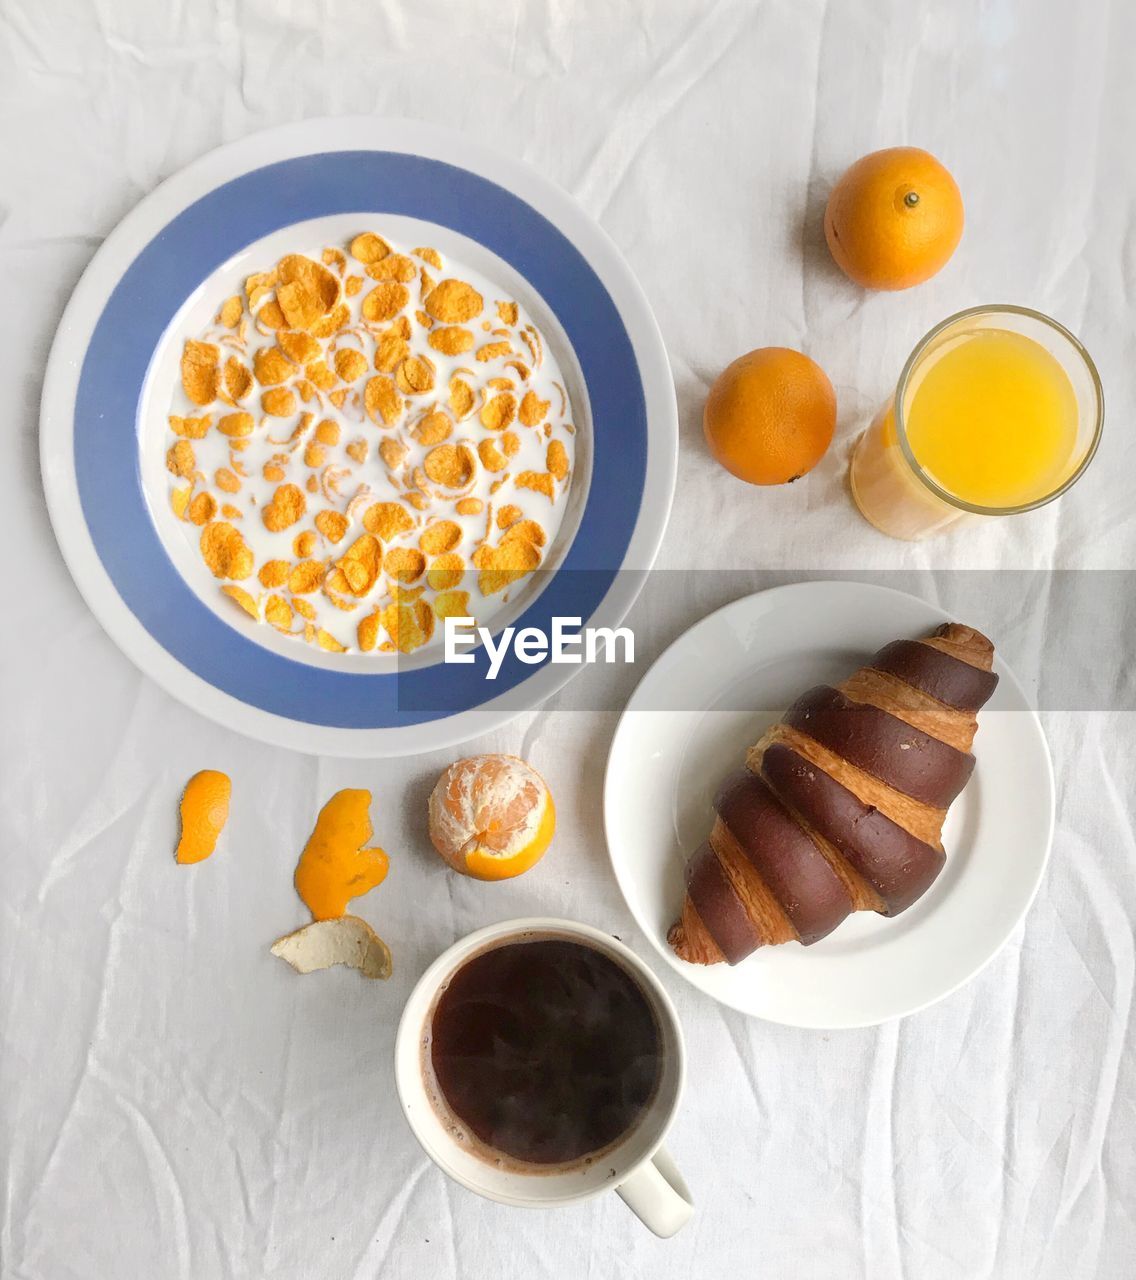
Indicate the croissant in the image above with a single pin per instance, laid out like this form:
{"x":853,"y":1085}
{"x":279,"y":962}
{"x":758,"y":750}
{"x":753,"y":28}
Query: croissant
{"x":840,"y":806}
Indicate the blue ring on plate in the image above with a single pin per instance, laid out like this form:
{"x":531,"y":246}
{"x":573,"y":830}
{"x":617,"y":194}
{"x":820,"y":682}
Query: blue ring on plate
{"x":186,"y":252}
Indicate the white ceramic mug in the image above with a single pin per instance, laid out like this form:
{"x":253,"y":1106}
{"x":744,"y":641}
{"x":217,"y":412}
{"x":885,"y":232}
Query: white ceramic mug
{"x":638,"y":1168}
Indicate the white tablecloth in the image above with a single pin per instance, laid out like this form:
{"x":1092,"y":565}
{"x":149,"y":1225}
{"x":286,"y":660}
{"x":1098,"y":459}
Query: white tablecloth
{"x":173,"y":1101}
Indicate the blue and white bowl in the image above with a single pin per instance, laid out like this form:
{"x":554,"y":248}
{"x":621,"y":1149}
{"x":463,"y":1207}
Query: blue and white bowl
{"x":149,"y":286}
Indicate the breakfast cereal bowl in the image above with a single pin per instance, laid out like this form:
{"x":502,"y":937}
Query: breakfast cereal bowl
{"x":331,"y":385}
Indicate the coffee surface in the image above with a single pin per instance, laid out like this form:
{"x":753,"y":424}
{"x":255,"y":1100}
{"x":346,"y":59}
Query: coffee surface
{"x":546,"y":1049}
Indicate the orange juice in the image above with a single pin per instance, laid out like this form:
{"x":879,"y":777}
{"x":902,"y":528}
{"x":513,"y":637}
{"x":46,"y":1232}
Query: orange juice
{"x":993,"y":420}
{"x":998,"y":410}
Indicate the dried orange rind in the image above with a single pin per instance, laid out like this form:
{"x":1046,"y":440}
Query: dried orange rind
{"x":345,"y":940}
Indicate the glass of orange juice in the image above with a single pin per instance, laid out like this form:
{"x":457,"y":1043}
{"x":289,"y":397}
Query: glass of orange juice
{"x":998,"y":410}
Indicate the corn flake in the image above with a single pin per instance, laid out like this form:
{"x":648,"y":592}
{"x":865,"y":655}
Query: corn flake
{"x":538,"y":482}
{"x":369,"y":248}
{"x":350,"y":364}
{"x":405,"y":564}
{"x":332,"y":524}
{"x":409,"y":625}
{"x":179,"y":500}
{"x":367,"y":632}
{"x":451,"y":340}
{"x":501,"y":566}
{"x":278,"y":612}
{"x":497,"y":413}
{"x":279,"y":402}
{"x":439,"y":537}
{"x":235,"y":424}
{"x":451,"y":465}
{"x":180,"y":460}
{"x":384,"y":302}
{"x":395,"y":266}
{"x":445,"y":571}
{"x":241,"y":597}
{"x":259,"y":286}
{"x":238,"y":379}
{"x":300,"y":348}
{"x":190,"y":428}
{"x":381,"y":400}
{"x":361,"y":563}
{"x":556,"y":460}
{"x":287,"y":506}
{"x":452,"y":604}
{"x":305,"y":577}
{"x":319,"y":375}
{"x":415,"y":376}
{"x":274,"y":573}
{"x":230,"y":314}
{"x":386,"y":520}
{"x":432,"y":256}
{"x":225,"y":552}
{"x":432,"y":428}
{"x":391,"y":350}
{"x":492,"y":459}
{"x":202,"y":509}
{"x":533,"y":409}
{"x":531,"y":530}
{"x":308,"y":290}
{"x":453,"y":302}
{"x":462,"y":399}
{"x":200,"y":371}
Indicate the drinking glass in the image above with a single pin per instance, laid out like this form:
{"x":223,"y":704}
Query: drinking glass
{"x":897,"y":495}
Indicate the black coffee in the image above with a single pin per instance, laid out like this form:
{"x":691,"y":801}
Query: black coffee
{"x":546,"y":1050}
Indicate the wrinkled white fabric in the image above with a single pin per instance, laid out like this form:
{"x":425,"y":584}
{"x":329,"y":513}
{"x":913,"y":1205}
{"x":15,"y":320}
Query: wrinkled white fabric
{"x":173,"y":1101}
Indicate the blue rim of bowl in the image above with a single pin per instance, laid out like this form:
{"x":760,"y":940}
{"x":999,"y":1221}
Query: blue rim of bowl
{"x":183,"y":255}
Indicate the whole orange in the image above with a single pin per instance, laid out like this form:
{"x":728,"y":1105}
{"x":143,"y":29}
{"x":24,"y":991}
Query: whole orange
{"x":894,"y":219}
{"x":770,"y":416}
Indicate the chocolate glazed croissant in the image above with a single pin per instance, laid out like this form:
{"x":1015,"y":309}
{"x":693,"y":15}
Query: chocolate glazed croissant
{"x":841,"y":804}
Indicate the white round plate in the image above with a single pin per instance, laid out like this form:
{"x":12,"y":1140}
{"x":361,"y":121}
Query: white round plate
{"x":189,"y":242}
{"x":710,"y":696}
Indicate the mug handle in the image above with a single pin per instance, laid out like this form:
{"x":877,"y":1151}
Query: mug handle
{"x":657,"y":1195}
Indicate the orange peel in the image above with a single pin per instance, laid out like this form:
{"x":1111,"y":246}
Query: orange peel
{"x":204,"y":812}
{"x":346,"y":940}
{"x":335,"y":866}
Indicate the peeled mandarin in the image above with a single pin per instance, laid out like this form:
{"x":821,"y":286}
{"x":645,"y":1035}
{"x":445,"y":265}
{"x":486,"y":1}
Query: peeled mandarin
{"x":894,"y":219}
{"x":770,"y":416}
{"x":491,"y":817}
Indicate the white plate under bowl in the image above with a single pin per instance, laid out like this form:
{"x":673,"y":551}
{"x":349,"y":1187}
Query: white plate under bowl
{"x":187,"y":244}
{"x":688,"y":724}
